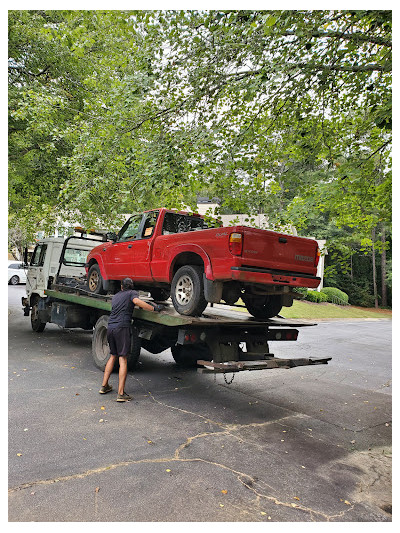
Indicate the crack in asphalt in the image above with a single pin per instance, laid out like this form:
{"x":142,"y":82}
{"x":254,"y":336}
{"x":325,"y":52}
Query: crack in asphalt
{"x":245,"y":479}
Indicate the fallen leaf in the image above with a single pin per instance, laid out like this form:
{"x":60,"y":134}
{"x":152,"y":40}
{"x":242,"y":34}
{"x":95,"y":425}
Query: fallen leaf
{"x":221,"y":505}
{"x":32,"y":493}
{"x":150,"y":442}
{"x":19,"y":454}
{"x":77,"y":394}
{"x":224,"y":491}
{"x":101,"y":420}
{"x":346,"y":502}
{"x":102,"y":408}
{"x":97,"y":489}
{"x":352,"y":442}
{"x":26,"y":429}
{"x":302,"y":466}
{"x":262,"y":512}
{"x":296,"y":498}
{"x":293,"y":504}
{"x":168,"y":470}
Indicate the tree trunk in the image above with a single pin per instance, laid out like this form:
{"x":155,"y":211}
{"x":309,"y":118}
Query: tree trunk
{"x":383,"y":268}
{"x":374,"y":269}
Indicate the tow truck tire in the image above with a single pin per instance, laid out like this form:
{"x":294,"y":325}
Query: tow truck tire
{"x":37,"y":325}
{"x":101,"y":350}
{"x":264,"y":306}
{"x":160,"y":295}
{"x":187,"y":291}
{"x":14,"y":280}
{"x":187,"y":356}
{"x":95,"y":280}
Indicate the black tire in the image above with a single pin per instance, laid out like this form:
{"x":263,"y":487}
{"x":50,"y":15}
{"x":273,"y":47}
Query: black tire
{"x":14,"y":280}
{"x":160,"y":295}
{"x":187,"y":356}
{"x":101,"y":350}
{"x":95,"y":280}
{"x":37,"y":325}
{"x":263,"y":306}
{"x":187,"y":291}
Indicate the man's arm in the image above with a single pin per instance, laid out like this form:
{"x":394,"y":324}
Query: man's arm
{"x":144,"y":305}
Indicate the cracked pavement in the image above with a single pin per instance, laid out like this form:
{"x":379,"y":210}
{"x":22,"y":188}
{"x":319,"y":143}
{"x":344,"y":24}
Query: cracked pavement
{"x":311,"y":444}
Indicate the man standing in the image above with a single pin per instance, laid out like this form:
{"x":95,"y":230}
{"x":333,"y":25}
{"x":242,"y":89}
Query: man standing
{"x":119,"y":335}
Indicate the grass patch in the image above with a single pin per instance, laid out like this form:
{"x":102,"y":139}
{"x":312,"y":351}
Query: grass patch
{"x":314,"y":311}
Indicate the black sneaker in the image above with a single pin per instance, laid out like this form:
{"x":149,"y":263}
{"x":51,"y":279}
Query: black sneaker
{"x":123,"y":397}
{"x":105,"y":388}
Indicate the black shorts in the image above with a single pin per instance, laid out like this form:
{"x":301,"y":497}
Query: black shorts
{"x":119,"y":340}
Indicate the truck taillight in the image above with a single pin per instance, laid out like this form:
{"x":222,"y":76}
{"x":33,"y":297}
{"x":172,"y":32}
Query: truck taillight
{"x":235,"y":243}
{"x":317,"y":256}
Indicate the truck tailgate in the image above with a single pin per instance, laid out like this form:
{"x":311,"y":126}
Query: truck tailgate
{"x":278,"y":251}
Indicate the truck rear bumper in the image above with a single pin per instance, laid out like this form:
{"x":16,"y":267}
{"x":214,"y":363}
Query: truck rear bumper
{"x":274,"y":277}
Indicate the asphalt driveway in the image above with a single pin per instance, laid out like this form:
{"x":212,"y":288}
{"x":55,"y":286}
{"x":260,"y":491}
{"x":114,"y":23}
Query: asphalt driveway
{"x":300,"y":445}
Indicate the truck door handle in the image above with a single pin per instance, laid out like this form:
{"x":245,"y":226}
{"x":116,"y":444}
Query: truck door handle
{"x":282,"y":239}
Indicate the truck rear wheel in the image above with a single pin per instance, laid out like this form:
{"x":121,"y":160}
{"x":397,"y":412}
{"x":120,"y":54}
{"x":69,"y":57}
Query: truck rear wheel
{"x":187,"y":291}
{"x":95,"y":280}
{"x":101,"y":350}
{"x":188,"y":356}
{"x":263,"y":306}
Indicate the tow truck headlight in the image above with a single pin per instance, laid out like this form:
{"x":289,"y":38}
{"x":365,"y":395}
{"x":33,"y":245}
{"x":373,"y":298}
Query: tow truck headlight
{"x":236,"y":243}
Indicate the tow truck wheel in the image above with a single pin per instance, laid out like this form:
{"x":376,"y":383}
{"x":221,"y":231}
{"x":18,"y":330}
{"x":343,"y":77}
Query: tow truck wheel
{"x":14,"y":280}
{"x":188,"y":356}
{"x":187,"y":291}
{"x":37,"y":325}
{"x":95,"y":280}
{"x":101,"y":350}
{"x":263,"y":306}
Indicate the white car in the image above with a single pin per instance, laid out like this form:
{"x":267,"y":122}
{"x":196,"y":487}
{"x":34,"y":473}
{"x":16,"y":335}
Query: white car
{"x":16,"y":272}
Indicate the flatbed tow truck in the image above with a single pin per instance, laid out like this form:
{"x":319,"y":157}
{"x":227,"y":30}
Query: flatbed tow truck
{"x":220,"y":340}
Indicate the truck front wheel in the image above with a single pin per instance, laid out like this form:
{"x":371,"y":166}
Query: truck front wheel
{"x":37,"y":325}
{"x":187,"y":291}
{"x":101,"y":350}
{"x":263,"y":306}
{"x":95,"y":280}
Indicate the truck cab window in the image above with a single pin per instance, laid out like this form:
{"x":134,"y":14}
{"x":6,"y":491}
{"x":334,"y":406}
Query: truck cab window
{"x":130,"y":229}
{"x":178,"y":223}
{"x":39,"y":255}
{"x":149,"y":224}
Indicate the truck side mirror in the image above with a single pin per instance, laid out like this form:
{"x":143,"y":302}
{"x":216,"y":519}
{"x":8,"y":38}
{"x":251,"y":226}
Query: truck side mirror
{"x":26,"y":257}
{"x":111,"y":236}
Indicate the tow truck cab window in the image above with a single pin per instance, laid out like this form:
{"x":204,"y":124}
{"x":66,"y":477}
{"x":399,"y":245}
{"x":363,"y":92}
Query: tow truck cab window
{"x":39,"y":255}
{"x":178,"y":223}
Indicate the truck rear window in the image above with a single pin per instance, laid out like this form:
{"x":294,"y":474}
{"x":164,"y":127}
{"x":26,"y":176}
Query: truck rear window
{"x":178,"y":223}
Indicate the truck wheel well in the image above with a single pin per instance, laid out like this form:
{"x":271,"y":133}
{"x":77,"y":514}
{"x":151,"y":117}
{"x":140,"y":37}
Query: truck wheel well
{"x":187,"y":258}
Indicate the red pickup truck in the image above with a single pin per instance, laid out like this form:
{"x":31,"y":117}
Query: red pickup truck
{"x":175,"y":253}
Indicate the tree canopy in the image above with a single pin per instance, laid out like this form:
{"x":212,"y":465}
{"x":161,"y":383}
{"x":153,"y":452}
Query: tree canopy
{"x":282,"y":112}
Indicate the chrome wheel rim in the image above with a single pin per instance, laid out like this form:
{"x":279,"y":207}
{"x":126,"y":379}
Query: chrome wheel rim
{"x":184,"y":290}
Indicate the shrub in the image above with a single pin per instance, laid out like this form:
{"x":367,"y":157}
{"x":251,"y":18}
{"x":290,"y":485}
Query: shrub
{"x":301,"y":290}
{"x":317,"y":297}
{"x":333,"y":292}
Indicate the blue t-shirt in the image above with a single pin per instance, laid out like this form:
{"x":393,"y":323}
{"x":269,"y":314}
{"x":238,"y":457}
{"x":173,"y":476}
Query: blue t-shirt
{"x":121,"y":309}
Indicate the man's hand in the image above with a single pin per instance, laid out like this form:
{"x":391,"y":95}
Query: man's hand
{"x":157,"y":307}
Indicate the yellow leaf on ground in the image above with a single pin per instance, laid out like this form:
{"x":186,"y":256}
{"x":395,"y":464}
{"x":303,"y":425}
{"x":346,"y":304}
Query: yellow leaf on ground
{"x":168,"y":470}
{"x":19,"y":454}
{"x":102,"y":408}
{"x":224,"y":491}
